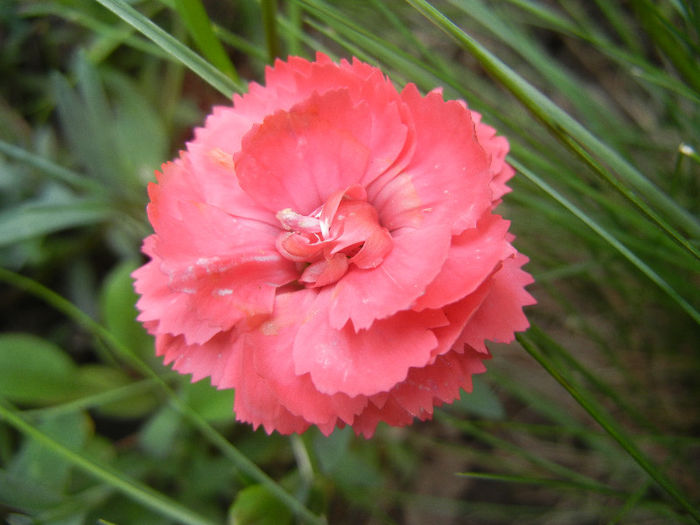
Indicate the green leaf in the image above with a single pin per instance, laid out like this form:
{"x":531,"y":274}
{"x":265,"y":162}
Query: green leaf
{"x":34,"y":219}
{"x":173,"y":47}
{"x":255,"y":505}
{"x":481,"y":401}
{"x":99,"y":381}
{"x":621,"y":174}
{"x":33,"y":370}
{"x":200,"y":28}
{"x":35,"y":462}
{"x":330,"y":450}
{"x":117,"y":304}
{"x":30,"y":495}
{"x":120,"y":481}
{"x":160,"y":432}
{"x":209,"y":402}
{"x":47,"y":167}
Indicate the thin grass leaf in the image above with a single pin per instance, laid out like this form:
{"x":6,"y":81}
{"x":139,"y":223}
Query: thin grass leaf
{"x":294,"y":20}
{"x":367,"y":46}
{"x":571,"y":363}
{"x":602,"y":232}
{"x":140,"y":387}
{"x":669,"y":41}
{"x":573,"y":134}
{"x":269,"y":18}
{"x":128,"y":356}
{"x":110,"y":36}
{"x":50,"y":169}
{"x":632,"y":62}
{"x":603,"y":119}
{"x":218,"y":80}
{"x":571,"y":477}
{"x":619,"y":21}
{"x":124,"y":484}
{"x":608,"y":424}
{"x":200,"y":28}
{"x":530,"y":480}
{"x":34,"y":219}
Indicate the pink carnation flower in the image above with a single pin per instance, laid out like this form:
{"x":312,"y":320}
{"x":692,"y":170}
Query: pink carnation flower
{"x":327,"y":247}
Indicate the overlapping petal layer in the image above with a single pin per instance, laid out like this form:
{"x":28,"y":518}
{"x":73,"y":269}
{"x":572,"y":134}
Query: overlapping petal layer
{"x":327,"y":247}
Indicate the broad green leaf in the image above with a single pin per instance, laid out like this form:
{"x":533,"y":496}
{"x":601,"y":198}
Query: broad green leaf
{"x":254,"y":505}
{"x":330,"y":450}
{"x":34,"y":219}
{"x":37,"y":463}
{"x":95,"y":379}
{"x":19,"y":491}
{"x":120,"y":481}
{"x":481,"y":401}
{"x":34,"y":370}
{"x":209,"y":402}
{"x":230,"y":452}
{"x":117,"y":305}
{"x":160,"y":432}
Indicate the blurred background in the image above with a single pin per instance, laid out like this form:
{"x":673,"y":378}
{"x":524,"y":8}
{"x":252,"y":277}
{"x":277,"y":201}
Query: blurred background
{"x":591,"y":417}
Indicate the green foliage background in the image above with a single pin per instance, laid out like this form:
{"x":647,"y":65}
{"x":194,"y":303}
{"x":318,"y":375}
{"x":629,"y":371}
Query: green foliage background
{"x":592,"y":417}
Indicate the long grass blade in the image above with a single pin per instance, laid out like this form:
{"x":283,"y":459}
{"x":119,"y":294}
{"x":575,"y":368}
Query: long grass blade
{"x":269,"y":18}
{"x":218,"y":80}
{"x":564,"y":126}
{"x":610,"y":239}
{"x":49,"y":168}
{"x":608,"y":424}
{"x":200,"y":28}
{"x":130,"y":487}
{"x":125,"y":353}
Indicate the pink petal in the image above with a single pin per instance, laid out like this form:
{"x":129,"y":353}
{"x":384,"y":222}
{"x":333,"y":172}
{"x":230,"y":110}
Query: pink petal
{"x":501,"y":313}
{"x":473,"y":256}
{"x":391,"y":413}
{"x":199,"y":360}
{"x":448,"y":174}
{"x":367,"y":295}
{"x":440,"y":381}
{"x":298,"y":159}
{"x":364,"y":362}
{"x":271,"y":347}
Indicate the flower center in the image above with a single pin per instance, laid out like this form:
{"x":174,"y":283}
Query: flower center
{"x":344,"y":231}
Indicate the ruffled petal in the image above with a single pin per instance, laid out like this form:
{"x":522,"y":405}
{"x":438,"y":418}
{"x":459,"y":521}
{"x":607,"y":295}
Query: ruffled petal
{"x":272,"y":348}
{"x":367,"y":361}
{"x":447,"y":179}
{"x":298,"y":158}
{"x":501,"y":313}
{"x":473,"y":256}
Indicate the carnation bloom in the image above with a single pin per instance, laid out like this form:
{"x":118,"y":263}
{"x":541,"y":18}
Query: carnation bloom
{"x":328,"y":248}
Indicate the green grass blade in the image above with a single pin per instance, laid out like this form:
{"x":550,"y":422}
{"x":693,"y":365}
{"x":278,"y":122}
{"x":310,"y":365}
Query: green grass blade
{"x":131,"y":488}
{"x":50,"y":169}
{"x":529,"y":480}
{"x":566,"y":128}
{"x":571,"y":477}
{"x":126,"y":354}
{"x":269,"y":18}
{"x":218,"y":80}
{"x":609,"y":425}
{"x":666,"y":38}
{"x":613,"y":241}
{"x":293,"y":36}
{"x":200,"y":28}
{"x":110,"y":36}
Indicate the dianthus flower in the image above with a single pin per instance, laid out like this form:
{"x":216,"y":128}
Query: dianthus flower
{"x":328,"y":248}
